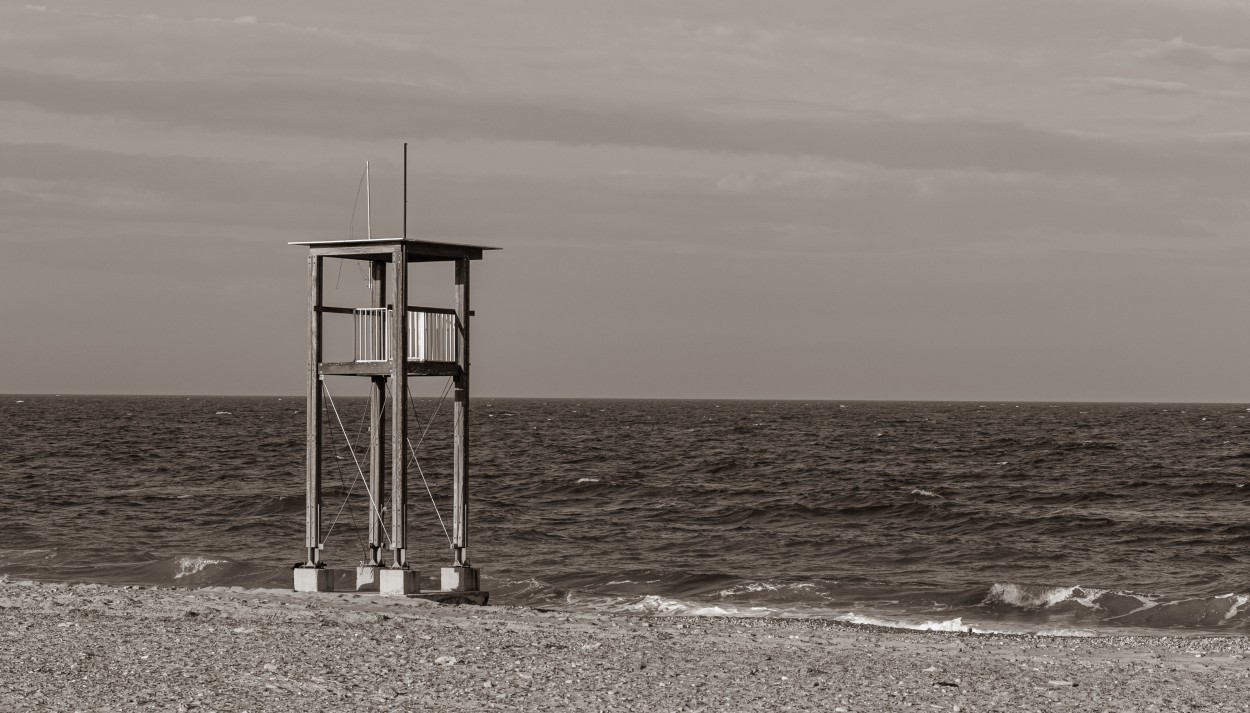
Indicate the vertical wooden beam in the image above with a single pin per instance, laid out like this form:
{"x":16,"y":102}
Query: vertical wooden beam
{"x":312,"y":495}
{"x":399,"y":407}
{"x":460,"y":492}
{"x":377,"y":432}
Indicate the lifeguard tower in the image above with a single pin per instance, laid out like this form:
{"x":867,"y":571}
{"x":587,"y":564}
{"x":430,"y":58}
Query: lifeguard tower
{"x":393,"y":341}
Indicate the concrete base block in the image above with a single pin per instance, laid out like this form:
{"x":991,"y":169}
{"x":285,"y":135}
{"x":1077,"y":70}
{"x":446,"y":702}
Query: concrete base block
{"x":313,"y":579}
{"x":367,"y":579}
{"x":398,"y":581}
{"x":460,"y":579}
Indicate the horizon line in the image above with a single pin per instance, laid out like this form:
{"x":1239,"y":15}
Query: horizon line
{"x":650,"y":398}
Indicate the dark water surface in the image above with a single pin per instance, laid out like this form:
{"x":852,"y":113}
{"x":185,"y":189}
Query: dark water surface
{"x":1078,"y":518}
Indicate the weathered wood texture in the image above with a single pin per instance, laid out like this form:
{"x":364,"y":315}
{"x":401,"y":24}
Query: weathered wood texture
{"x":377,"y":433}
{"x":383,"y":249}
{"x":460,"y":496}
{"x":399,"y":406}
{"x":312,"y":500}
{"x":411,"y":308}
{"x":385,"y":368}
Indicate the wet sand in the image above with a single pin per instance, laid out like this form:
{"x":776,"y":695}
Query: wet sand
{"x":94,"y":647}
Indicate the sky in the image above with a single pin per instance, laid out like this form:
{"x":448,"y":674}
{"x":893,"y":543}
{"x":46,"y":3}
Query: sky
{"x":964,"y":200}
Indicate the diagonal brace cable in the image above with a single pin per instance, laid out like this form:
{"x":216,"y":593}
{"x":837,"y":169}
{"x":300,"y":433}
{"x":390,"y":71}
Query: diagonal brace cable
{"x":417,"y":462}
{"x":368,"y":491}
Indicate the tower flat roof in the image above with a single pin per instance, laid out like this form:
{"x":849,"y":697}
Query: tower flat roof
{"x":381,"y":248}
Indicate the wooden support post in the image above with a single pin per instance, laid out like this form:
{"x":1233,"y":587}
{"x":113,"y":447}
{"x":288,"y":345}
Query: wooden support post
{"x":399,"y":407}
{"x":460,"y":490}
{"x":312,"y":495}
{"x":377,"y":433}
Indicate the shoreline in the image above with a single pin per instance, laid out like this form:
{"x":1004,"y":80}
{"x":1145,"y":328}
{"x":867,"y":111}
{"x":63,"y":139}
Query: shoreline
{"x":87,"y":646}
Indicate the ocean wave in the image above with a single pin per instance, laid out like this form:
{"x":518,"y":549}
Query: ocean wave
{"x":759,"y":587}
{"x":1001,"y":607}
{"x":188,"y":566}
{"x":1027,"y":596}
{"x":1118,"y":608}
{"x":664,"y":606}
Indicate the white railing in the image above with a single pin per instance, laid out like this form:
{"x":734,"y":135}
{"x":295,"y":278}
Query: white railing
{"x":431,"y":335}
{"x":373,"y":333}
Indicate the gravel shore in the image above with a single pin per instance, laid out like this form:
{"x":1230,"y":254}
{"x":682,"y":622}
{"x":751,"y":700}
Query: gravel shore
{"x":95,"y":647}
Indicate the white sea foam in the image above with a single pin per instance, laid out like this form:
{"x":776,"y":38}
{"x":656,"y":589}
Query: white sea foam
{"x":715,"y":611}
{"x":1035,"y":597}
{"x":749,"y":588}
{"x":663,"y":606}
{"x":188,"y":566}
{"x":1145,"y":602}
{"x":1238,"y":603}
{"x":655,"y":604}
{"x":530,"y":585}
{"x":588,"y":480}
{"x":763,"y":587}
{"x":1071,"y":633}
{"x":1088,"y":596}
{"x":956,"y":624}
{"x":923,"y":493}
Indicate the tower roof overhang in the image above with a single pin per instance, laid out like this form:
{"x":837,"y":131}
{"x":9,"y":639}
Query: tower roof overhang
{"x":383,"y":249}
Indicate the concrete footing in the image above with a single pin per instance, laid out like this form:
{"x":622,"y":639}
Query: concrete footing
{"x":367,"y":578}
{"x":313,"y":579}
{"x":460,"y":579}
{"x":459,"y":584}
{"x":398,"y":581}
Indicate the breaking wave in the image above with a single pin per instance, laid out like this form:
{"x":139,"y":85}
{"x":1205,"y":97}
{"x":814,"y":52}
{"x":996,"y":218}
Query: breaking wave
{"x":1116,"y":608}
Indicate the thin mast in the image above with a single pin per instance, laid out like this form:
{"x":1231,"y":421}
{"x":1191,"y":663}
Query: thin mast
{"x":368,"y":206}
{"x":405,"y":190}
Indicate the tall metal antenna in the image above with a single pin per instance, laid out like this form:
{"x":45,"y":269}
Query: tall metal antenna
{"x":405,"y":190}
{"x":368,"y":206}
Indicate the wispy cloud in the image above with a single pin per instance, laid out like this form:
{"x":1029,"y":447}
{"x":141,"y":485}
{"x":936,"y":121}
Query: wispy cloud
{"x":1181,"y":52}
{"x":1156,"y":86}
{"x":360,"y":110}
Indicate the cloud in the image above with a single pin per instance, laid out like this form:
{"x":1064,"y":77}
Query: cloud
{"x":75,"y":184}
{"x":1155,"y":86}
{"x":389,"y":111}
{"x":1181,"y":52}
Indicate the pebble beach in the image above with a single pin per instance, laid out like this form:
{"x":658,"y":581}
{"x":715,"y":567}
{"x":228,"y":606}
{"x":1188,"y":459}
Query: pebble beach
{"x":90,"y":647}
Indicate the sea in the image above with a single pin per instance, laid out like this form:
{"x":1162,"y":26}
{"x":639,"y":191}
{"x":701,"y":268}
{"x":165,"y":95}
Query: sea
{"x":1060,"y":519}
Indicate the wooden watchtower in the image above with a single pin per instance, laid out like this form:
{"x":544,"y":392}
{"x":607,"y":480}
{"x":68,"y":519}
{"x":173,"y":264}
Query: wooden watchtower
{"x":393,"y":341}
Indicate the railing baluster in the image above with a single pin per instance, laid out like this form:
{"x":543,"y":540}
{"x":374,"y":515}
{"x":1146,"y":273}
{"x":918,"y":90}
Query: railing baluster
{"x":451,"y":337}
{"x":423,"y":347}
